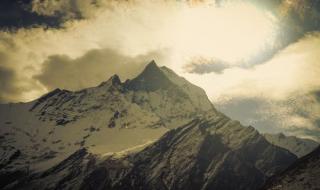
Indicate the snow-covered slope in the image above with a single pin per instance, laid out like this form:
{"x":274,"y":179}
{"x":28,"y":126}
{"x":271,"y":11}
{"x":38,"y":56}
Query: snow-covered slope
{"x":96,"y":138}
{"x":111,"y":117}
{"x":195,"y":93}
{"x":211,"y":152}
{"x":303,"y":174}
{"x":65,"y":175}
{"x":297,"y":146}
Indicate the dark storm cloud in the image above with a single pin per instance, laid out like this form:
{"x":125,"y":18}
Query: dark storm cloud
{"x":90,"y":69}
{"x":17,"y":14}
{"x":68,"y":9}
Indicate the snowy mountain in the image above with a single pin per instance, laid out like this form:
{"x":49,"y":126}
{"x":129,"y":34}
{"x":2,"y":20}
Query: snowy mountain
{"x":303,"y":174}
{"x":300,"y":147}
{"x":107,"y":137}
{"x":111,"y":117}
{"x":207,"y":153}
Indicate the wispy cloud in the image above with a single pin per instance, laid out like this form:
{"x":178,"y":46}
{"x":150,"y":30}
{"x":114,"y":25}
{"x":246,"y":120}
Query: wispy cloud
{"x":202,"y":65}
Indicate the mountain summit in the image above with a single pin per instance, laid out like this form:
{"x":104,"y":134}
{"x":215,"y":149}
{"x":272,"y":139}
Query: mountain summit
{"x":152,"y":78}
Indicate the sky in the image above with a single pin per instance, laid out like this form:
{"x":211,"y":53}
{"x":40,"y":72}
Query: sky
{"x":258,"y":61}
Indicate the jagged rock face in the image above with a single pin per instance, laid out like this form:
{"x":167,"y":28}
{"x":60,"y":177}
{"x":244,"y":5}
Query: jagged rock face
{"x":298,"y":146}
{"x":212,"y":154}
{"x":303,"y":174}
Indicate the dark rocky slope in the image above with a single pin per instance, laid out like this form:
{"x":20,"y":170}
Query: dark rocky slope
{"x":303,"y":174}
{"x":211,"y":153}
{"x":208,"y":153}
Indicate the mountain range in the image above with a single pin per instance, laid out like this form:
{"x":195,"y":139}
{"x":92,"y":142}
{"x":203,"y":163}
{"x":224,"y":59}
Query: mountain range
{"x":156,"y":131}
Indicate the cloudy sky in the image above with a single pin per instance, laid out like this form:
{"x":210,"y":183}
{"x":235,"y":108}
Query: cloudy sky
{"x":257,"y":60}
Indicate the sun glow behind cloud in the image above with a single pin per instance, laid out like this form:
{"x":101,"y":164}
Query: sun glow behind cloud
{"x":231,"y":33}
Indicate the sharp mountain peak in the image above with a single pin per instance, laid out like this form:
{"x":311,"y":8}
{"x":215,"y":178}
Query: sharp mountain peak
{"x":151,"y":68}
{"x":115,"y":79}
{"x":151,"y":79}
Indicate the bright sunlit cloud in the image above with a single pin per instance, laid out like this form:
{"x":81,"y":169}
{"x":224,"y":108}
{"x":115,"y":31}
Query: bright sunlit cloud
{"x":232,"y":33}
